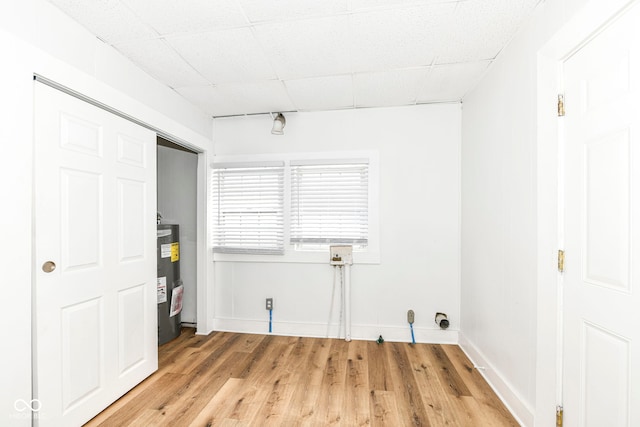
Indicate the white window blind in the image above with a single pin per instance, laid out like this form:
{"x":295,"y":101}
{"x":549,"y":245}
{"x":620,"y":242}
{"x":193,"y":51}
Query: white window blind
{"x":248,"y":208}
{"x":330,"y":202}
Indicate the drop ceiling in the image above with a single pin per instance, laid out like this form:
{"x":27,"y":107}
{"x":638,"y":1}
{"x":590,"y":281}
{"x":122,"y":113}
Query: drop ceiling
{"x":235,"y":57}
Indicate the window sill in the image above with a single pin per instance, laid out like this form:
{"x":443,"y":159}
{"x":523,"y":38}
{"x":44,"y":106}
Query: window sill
{"x":304,"y":257}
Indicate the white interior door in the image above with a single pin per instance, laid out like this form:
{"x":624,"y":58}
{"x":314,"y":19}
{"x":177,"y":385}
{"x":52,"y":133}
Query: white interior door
{"x":601,"y":366}
{"x":95,"y":202}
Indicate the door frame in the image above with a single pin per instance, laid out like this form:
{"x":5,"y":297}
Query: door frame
{"x":585,"y":25}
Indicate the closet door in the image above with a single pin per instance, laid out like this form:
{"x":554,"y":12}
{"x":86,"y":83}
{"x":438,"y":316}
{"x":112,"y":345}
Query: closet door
{"x":95,"y":331}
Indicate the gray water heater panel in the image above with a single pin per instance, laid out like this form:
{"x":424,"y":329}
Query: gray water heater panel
{"x":169,"y":283}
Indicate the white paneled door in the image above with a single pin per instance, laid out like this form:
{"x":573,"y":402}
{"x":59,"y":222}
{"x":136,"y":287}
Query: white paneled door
{"x":95,"y":258}
{"x":601,"y":368}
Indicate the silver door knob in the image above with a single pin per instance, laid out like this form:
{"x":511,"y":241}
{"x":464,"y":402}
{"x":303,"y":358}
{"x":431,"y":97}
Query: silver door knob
{"x":48,"y":266}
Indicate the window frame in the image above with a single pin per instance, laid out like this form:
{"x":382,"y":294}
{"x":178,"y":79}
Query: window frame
{"x":309,"y":253}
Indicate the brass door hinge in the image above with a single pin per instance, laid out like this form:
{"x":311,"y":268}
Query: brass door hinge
{"x":559,"y":416}
{"x":560,"y":105}
{"x":560,"y":260}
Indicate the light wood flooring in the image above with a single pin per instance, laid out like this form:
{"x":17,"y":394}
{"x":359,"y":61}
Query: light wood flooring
{"x":231,"y":379}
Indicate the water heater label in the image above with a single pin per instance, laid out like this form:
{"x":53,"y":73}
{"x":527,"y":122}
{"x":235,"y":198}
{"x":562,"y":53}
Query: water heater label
{"x":175,"y":252}
{"x":176,"y":300}
{"x":162,"y":290}
{"x":165,"y":250}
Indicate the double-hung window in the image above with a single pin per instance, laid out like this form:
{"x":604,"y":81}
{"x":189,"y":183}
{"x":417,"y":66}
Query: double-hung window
{"x":329,"y":202}
{"x":248,"y":208}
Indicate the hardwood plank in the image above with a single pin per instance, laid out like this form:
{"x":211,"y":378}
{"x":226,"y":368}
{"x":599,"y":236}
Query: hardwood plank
{"x":407,"y":392}
{"x":269,"y":365}
{"x":189,"y":401}
{"x":378,"y":362}
{"x":313,"y":370}
{"x":384,"y":409}
{"x":356,"y":403}
{"x":281,"y":387}
{"x":447,"y":372}
{"x":489,"y":404}
{"x":256,"y":356}
{"x":211,"y":413}
{"x":154,"y":396}
{"x":303,"y":370}
{"x":250,"y":342}
{"x":331,"y":390}
{"x":229,"y":379}
{"x":478,"y":417}
{"x":245,"y":403}
{"x":206,"y":379}
{"x":440,"y":407}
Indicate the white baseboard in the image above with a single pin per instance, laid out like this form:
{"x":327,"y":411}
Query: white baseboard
{"x":319,"y":330}
{"x":523,"y":413}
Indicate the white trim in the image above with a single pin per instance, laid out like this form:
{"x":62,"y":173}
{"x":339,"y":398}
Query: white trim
{"x":518,"y":407}
{"x":262,"y":164}
{"x":319,"y":330}
{"x":342,"y":161}
{"x":204,"y":261}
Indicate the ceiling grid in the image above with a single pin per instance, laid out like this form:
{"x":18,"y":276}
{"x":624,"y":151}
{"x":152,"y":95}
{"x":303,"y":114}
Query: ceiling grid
{"x":235,"y":57}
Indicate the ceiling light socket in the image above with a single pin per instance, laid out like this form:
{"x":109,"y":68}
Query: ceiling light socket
{"x":278,"y":124}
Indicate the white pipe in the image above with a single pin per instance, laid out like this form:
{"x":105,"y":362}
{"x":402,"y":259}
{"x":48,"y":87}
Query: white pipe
{"x":340,"y":324}
{"x":347,"y":302}
{"x":333,"y":293}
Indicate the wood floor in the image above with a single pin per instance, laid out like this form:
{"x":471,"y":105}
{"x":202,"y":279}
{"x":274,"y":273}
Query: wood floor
{"x":230,"y":379}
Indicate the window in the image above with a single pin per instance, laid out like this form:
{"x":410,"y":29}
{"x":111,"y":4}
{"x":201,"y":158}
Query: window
{"x":290,"y":207}
{"x":329,"y":202}
{"x":248,"y":208}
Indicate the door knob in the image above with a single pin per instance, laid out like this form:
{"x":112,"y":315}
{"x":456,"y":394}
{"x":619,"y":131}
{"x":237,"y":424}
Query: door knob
{"x":48,"y":266}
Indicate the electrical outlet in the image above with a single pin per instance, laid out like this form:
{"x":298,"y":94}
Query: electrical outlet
{"x":269,"y":303}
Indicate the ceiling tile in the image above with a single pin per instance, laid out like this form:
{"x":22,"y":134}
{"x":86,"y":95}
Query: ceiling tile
{"x":397,"y":87}
{"x":225,"y":56}
{"x":358,"y":5}
{"x":162,"y":62}
{"x":321,"y":93}
{"x":109,"y":20}
{"x":261,"y":10}
{"x":384,"y":40}
{"x":450,"y":82}
{"x":480,"y":29}
{"x":307,"y":48}
{"x":174,"y":16}
{"x":233,"y":99}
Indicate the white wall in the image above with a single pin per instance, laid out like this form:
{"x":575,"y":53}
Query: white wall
{"x":37,"y":38}
{"x":507,"y":245}
{"x":419,"y":150}
{"x":177,"y":203}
